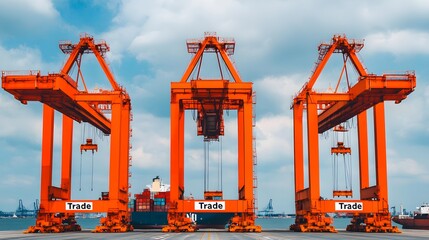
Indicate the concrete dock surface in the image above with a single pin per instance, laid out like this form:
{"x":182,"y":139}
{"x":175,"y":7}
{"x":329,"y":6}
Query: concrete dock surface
{"x":209,"y":234}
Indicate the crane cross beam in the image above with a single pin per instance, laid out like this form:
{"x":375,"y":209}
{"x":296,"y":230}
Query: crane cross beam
{"x":58,"y":93}
{"x":364,"y":95}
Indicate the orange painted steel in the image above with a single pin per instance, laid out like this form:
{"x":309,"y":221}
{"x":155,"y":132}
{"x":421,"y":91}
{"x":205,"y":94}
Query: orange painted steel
{"x":210,"y":97}
{"x":325,"y":111}
{"x":60,"y":92}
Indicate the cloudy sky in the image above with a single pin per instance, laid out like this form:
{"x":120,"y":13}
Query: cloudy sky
{"x":276,"y":47}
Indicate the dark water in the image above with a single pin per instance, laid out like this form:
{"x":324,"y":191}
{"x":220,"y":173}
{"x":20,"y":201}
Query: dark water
{"x":23,"y":223}
{"x":90,"y":223}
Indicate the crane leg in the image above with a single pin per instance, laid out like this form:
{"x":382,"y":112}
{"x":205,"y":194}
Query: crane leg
{"x":313,"y":222}
{"x":377,"y":222}
{"x":114,"y":222}
{"x":244,"y":223}
{"x":178,"y":222}
{"x":54,"y":223}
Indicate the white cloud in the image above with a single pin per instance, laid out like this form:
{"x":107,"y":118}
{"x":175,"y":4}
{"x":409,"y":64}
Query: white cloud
{"x":20,"y":18}
{"x":274,"y":94}
{"x":20,"y":58}
{"x":151,"y":142}
{"x":274,"y":138}
{"x":21,"y":121}
{"x":407,"y":167}
{"x":29,"y":8}
{"x":42,"y":7}
{"x":401,"y":42}
{"x":17,"y":180}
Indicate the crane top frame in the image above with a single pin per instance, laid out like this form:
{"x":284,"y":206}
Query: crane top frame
{"x":369,"y":90}
{"x":211,"y":43}
{"x":60,"y":91}
{"x":101,"y":46}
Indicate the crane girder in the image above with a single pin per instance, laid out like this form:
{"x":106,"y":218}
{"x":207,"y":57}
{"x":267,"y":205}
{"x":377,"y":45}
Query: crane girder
{"x":57,"y":92}
{"x":365,"y":94}
{"x":230,"y":92}
{"x":369,"y":90}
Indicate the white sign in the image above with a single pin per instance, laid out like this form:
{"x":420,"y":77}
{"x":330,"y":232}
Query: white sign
{"x":349,"y":206}
{"x":85,"y":206}
{"x":209,"y":206}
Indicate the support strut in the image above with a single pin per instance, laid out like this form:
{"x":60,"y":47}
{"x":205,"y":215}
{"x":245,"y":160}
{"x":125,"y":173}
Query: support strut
{"x":178,"y":222}
{"x":243,"y":223}
{"x":313,"y":222}
{"x":377,"y":222}
{"x":114,"y":222}
{"x":54,"y":223}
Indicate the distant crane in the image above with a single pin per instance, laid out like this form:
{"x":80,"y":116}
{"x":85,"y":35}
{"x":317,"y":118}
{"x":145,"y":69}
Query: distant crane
{"x":22,"y":211}
{"x":268,"y":210}
{"x":393,"y":210}
{"x":36,"y":207}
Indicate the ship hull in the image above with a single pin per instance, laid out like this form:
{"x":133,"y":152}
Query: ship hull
{"x":412,"y":223}
{"x":156,"y":220}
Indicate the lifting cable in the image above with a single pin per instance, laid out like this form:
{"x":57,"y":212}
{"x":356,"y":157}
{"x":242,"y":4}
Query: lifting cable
{"x":92,"y":171}
{"x":335,"y":172}
{"x":347,"y":74}
{"x":80,"y":168}
{"x":218,"y":163}
{"x":92,"y":161}
{"x":350,"y":162}
{"x":94,"y":132}
{"x":347,"y":161}
{"x":80,"y":172}
{"x":218,"y":62}
{"x":221,"y":163}
{"x":346,"y":175}
{"x":206,"y":165}
{"x":199,"y":66}
{"x":341,"y":74}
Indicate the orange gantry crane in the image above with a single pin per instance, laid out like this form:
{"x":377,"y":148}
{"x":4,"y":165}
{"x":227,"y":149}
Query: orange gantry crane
{"x":59,"y":91}
{"x":327,"y":110}
{"x":210,"y":97}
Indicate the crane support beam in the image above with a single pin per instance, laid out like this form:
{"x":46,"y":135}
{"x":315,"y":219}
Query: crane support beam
{"x":210,"y":97}
{"x":60,"y":92}
{"x":326,"y":110}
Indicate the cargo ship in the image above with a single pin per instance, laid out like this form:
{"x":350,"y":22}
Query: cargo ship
{"x":149,"y":209}
{"x":419,"y":220}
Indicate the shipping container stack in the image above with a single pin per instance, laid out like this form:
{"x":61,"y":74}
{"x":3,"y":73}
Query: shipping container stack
{"x":131,"y":205}
{"x":156,"y":202}
{"x":143,"y":201}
